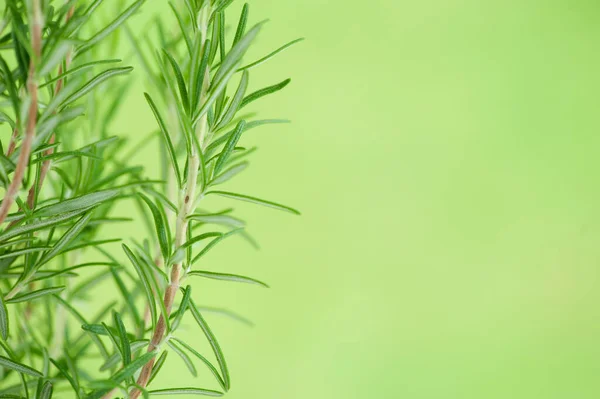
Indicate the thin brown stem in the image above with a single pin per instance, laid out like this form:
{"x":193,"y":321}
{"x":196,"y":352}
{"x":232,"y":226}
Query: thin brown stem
{"x":32,"y":87}
{"x":12,"y":144}
{"x":110,"y":394}
{"x":31,"y":197}
{"x":171,"y":291}
{"x":181,"y":225}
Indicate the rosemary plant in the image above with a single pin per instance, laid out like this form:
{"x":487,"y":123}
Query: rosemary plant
{"x":63,"y":175}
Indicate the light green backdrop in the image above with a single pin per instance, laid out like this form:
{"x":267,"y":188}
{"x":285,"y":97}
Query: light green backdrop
{"x":444,"y":154}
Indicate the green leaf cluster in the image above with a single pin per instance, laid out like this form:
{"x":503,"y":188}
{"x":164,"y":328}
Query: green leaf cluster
{"x":78,"y":172}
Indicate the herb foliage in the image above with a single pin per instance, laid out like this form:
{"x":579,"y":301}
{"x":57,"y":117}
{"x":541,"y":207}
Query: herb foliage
{"x":64,"y":174}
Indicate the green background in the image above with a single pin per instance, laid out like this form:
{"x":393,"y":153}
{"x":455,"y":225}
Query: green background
{"x":444,"y":156}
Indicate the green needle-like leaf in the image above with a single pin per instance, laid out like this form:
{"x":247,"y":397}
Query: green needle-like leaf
{"x":132,"y":367}
{"x":221,"y":5}
{"x":150,"y":268}
{"x":226,"y":277}
{"x":113,"y":337}
{"x":82,"y":321}
{"x":254,"y":200}
{"x":78,"y":69}
{"x":47,"y":390}
{"x":158,"y":366}
{"x":129,"y":300}
{"x":250,"y":125}
{"x":216,"y":35}
{"x":125,"y":345}
{"x":182,"y":28}
{"x":81,"y":203}
{"x":229,"y":173}
{"x":182,"y":307}
{"x":19,"y":367}
{"x":186,"y":359}
{"x":10,"y":85}
{"x":204,"y":360}
{"x":161,"y":227}
{"x":65,"y":374}
{"x":241,"y":28}
{"x":229,"y":146}
{"x":123,"y":374}
{"x":270,"y":55}
{"x":229,"y":314}
{"x":227,"y":68}
{"x":180,"y":81}
{"x":22,"y":252}
{"x":111,"y":27}
{"x":114,"y":359}
{"x":4,"y":321}
{"x":162,"y":199}
{"x":235,"y":102}
{"x":89,"y":86}
{"x":213,"y":343}
{"x":166,"y":138}
{"x":30,"y":296}
{"x":145,"y":282}
{"x":224,"y":220}
{"x":185,"y":391}
{"x":65,"y":240}
{"x":199,"y":63}
{"x":104,"y":330}
{"x":201,"y":237}
{"x":215,"y":92}
{"x":264,"y":92}
{"x":68,"y":271}
{"x":40,"y":224}
{"x":213,"y":243}
{"x":221,"y":16}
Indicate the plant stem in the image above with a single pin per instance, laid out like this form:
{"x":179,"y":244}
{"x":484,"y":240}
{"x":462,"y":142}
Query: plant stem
{"x":31,"y":197}
{"x":32,"y":87}
{"x":12,"y":144}
{"x":185,"y":210}
{"x":36,"y":188}
{"x":181,"y":225}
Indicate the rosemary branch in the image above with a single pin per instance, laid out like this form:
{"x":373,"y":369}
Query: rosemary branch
{"x":31,"y":197}
{"x":32,"y":87}
{"x":186,"y":208}
{"x":39,"y":250}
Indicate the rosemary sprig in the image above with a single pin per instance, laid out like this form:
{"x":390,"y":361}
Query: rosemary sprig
{"x":64,"y":175}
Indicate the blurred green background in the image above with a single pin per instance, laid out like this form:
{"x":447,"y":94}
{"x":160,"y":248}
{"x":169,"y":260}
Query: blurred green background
{"x":444,"y":156}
